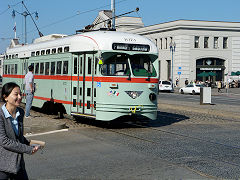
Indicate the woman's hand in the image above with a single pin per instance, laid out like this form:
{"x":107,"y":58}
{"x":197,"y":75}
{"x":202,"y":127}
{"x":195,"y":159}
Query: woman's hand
{"x":35,"y":149}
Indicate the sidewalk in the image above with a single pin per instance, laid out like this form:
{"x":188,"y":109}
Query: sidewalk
{"x":40,"y":122}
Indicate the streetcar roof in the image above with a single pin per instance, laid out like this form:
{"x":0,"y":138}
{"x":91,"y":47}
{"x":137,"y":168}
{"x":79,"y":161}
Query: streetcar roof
{"x":88,"y":41}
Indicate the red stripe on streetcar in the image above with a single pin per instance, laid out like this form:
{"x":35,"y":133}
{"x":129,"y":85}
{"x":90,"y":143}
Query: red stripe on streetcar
{"x":89,"y":78}
{"x":55,"y":100}
{"x":13,"y":76}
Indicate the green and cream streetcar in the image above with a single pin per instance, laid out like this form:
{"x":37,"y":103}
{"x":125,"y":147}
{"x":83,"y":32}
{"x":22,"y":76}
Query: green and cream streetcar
{"x":98,"y":74}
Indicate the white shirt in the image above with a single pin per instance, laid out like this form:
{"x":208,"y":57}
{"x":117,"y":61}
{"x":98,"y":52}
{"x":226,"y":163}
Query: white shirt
{"x":29,"y":79}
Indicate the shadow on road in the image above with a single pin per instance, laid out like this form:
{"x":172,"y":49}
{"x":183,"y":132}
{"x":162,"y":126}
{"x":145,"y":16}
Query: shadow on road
{"x":163,"y":119}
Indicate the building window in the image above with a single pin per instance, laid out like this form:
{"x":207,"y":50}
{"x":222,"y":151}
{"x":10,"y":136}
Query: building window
{"x":215,"y":45}
{"x":196,"y":42}
{"x":225,"y":42}
{"x":166,"y":44}
{"x":206,"y":42}
{"x":161,"y":43}
{"x":169,"y":69}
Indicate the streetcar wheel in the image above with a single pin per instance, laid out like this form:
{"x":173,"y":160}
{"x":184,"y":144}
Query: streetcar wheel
{"x":182,"y":91}
{"x":193,"y":92}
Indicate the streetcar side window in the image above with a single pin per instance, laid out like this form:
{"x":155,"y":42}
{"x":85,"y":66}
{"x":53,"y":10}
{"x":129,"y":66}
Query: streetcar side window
{"x":65,"y":67}
{"x":13,"y":56}
{"x":41,"y":68}
{"x":53,"y":68}
{"x":16,"y":55}
{"x":66,"y":49}
{"x":59,"y":67}
{"x":89,"y":65}
{"x":96,"y":62}
{"x":12,"y":68}
{"x":75,"y":65}
{"x":80,"y":66}
{"x":37,"y":53}
{"x":5,"y":69}
{"x":59,"y":50}
{"x":15,"y":69}
{"x":32,"y":53}
{"x":53,"y":50}
{"x":36,"y":68}
{"x":8,"y":69}
{"x":46,"y":68}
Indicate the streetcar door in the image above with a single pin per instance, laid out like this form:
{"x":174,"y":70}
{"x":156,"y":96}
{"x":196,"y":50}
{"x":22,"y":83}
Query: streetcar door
{"x":88,"y":86}
{"x":80,"y":83}
{"x":75,"y":80}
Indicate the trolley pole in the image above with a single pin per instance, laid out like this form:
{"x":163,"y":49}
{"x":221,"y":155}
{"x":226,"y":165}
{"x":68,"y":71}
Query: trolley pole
{"x":113,"y":13}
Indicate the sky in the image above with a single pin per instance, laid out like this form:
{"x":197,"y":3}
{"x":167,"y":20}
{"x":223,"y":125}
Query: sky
{"x":65,"y":17}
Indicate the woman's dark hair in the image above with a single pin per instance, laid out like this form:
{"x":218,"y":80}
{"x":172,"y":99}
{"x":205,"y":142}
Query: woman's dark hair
{"x":7,"y":89}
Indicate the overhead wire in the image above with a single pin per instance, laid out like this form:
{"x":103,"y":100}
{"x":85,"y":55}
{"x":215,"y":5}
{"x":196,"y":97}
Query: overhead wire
{"x":9,"y":7}
{"x":67,"y":18}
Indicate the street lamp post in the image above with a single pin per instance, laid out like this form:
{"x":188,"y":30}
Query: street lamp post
{"x":172,"y":46}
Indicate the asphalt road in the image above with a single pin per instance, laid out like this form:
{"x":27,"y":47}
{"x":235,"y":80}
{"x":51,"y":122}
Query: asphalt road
{"x":97,"y":153}
{"x":178,"y":145}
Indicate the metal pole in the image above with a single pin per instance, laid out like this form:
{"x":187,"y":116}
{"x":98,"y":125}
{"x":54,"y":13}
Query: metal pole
{"x":25,"y":18}
{"x":113,"y":13}
{"x":172,"y":67}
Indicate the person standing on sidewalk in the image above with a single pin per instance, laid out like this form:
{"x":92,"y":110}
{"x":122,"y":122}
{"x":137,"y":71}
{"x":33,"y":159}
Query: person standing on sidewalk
{"x":29,"y":89}
{"x":219,"y":86}
{"x":12,"y":142}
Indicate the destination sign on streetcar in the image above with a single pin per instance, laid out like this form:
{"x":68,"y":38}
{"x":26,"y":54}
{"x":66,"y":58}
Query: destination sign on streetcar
{"x":131,"y":47}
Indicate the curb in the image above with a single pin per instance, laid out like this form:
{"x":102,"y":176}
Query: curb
{"x":39,"y":128}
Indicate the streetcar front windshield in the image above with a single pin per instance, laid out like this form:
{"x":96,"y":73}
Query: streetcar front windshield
{"x":119,"y":65}
{"x":116,"y":65}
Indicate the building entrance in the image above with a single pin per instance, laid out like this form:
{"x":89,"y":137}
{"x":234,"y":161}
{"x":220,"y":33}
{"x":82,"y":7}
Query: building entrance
{"x":211,"y":69}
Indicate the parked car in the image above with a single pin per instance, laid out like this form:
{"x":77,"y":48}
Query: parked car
{"x":191,"y":89}
{"x":165,"y":86}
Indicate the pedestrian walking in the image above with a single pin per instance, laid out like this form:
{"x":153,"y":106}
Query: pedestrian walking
{"x":219,"y":86}
{"x":12,"y":142}
{"x":29,"y":89}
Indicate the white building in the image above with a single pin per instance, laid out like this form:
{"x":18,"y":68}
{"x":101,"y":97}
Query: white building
{"x":201,"y":46}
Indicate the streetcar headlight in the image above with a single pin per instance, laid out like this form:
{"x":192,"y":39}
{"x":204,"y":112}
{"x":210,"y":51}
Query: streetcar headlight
{"x":152,"y":96}
{"x":134,"y":94}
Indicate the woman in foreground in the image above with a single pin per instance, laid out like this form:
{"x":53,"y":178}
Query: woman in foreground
{"x":12,"y":142}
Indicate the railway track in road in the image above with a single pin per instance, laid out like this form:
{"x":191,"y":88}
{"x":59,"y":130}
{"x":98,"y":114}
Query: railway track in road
{"x":207,"y":155}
